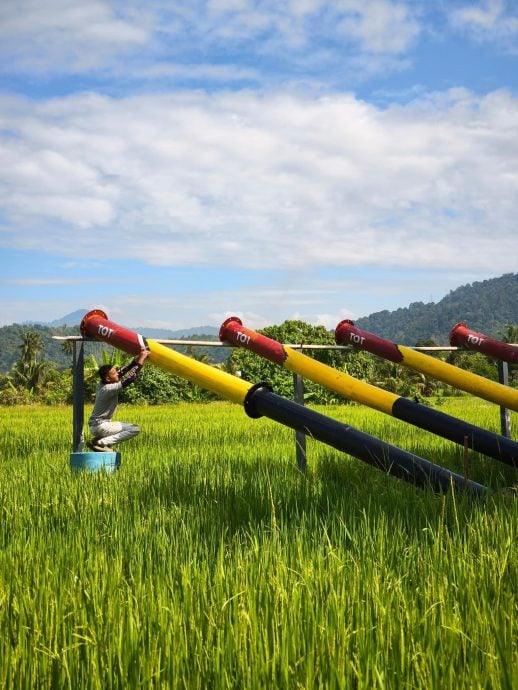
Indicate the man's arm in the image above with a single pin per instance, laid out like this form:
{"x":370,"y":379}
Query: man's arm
{"x":138,"y":359}
{"x":135,"y":365}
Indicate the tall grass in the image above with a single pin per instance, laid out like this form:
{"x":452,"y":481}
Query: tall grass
{"x":209,"y":561}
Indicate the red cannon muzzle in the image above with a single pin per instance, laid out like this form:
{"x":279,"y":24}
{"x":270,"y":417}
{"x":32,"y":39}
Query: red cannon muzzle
{"x":96,"y":325}
{"x":233,"y":331}
{"x":462,"y":336}
{"x":346,"y":333}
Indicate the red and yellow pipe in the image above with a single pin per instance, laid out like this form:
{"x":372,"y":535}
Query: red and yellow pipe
{"x":233,"y":331}
{"x":346,"y":333}
{"x":97,"y":326}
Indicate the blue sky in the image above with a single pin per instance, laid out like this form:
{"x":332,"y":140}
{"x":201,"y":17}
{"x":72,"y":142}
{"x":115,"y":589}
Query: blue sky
{"x":177,"y":162}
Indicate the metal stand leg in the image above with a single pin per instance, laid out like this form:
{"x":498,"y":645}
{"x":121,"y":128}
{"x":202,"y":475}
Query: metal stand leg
{"x":78,"y":376}
{"x":300,"y":438}
{"x":505,"y":415}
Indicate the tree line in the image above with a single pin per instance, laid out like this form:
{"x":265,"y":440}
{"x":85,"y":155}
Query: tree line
{"x":34,"y":378}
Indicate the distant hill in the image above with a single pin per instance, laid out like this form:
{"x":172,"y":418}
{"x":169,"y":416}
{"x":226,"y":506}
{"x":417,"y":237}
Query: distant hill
{"x":71,"y":319}
{"x":74,"y":319}
{"x":487,"y":306}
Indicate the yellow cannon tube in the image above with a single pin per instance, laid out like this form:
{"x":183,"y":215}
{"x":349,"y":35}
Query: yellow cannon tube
{"x":339,"y":381}
{"x":458,"y":378}
{"x":259,"y":400}
{"x":96,"y":325}
{"x":227,"y":386}
{"x":347,"y":333}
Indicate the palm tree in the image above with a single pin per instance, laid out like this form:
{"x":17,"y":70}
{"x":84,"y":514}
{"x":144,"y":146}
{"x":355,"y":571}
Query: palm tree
{"x":31,"y":375}
{"x":31,"y":346}
{"x":29,"y":372}
{"x":398,"y":379}
{"x":67,"y":346}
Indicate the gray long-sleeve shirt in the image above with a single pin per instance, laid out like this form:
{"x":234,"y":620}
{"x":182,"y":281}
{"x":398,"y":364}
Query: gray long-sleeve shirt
{"x":107,"y":394}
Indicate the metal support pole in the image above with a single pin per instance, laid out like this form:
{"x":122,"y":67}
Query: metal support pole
{"x":78,"y":376}
{"x":505,"y":414}
{"x":300,"y":437}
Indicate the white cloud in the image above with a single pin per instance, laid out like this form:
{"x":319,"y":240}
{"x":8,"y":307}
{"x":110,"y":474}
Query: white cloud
{"x":66,"y":34}
{"x":484,"y":15}
{"x":177,"y":40}
{"x":282,"y":180}
{"x":285,"y":179}
{"x":253,"y":306}
{"x":330,"y":321}
{"x":380,"y":26}
{"x":488,"y":20}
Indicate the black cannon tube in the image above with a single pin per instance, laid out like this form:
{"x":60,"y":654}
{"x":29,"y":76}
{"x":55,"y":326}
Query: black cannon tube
{"x":261,"y":401}
{"x":479,"y":440}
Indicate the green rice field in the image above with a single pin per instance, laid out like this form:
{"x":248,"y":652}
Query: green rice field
{"x":209,"y":561}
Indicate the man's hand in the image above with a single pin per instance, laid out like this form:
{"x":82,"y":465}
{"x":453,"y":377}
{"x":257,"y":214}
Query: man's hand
{"x":142,"y":356}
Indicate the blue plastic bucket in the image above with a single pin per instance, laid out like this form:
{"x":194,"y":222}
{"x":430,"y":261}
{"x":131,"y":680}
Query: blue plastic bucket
{"x":95,"y":462}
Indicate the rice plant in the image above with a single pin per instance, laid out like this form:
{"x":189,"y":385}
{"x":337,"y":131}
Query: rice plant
{"x":210,"y":561}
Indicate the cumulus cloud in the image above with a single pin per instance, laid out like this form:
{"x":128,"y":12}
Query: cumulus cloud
{"x":281,"y":179}
{"x":65,"y":34}
{"x":488,"y":20}
{"x":172,"y":40}
{"x":380,"y":26}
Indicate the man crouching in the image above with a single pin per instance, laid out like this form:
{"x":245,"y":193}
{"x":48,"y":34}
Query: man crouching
{"x":105,"y":432}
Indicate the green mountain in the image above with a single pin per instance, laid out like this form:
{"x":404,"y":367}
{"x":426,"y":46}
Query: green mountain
{"x":67,"y":320}
{"x":488,"y":307}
